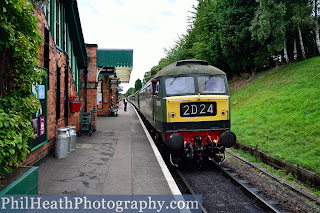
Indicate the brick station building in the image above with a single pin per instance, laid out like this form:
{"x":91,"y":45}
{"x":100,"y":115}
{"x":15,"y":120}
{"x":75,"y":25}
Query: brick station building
{"x":63,"y":55}
{"x":107,"y":68}
{"x":114,"y":66}
{"x":77,"y":74}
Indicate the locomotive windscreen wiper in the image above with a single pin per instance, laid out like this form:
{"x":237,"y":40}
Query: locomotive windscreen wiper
{"x":205,"y":83}
{"x":175,"y":77}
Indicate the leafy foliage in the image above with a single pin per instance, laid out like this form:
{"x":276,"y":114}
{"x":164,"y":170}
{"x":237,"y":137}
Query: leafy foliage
{"x":138,"y":85}
{"x":244,"y":36}
{"x":270,"y":23}
{"x":19,"y":46}
{"x":130,"y":91}
{"x":237,"y":48}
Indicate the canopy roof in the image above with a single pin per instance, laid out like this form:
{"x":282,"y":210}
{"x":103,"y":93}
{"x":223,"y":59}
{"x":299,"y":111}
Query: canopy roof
{"x":120,"y":59}
{"x":73,"y":20}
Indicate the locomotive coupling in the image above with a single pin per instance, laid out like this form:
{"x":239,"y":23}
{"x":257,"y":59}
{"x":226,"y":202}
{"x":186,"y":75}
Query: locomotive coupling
{"x":228,"y":139}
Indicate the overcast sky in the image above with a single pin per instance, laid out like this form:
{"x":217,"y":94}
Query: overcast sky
{"x":146,"y":26}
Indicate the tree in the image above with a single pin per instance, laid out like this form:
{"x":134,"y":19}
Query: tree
{"x":155,"y":69}
{"x":151,"y":73}
{"x":137,"y":85}
{"x":316,"y":24}
{"x":129,"y":92}
{"x":269,"y":26}
{"x":237,"y":46}
{"x":300,"y":17}
{"x":205,"y":37}
{"x":242,"y":35}
{"x":177,"y":52}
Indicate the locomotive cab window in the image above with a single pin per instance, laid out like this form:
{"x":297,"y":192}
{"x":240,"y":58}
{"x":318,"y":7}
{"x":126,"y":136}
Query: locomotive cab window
{"x":179,"y":85}
{"x":157,"y":89}
{"x":211,"y":84}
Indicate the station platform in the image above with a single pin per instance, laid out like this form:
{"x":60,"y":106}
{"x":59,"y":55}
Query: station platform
{"x":118,"y":159}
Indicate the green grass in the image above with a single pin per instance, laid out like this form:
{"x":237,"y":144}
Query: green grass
{"x":281,"y":113}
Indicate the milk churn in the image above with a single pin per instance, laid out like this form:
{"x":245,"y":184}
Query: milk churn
{"x":62,"y":143}
{"x":73,"y":137}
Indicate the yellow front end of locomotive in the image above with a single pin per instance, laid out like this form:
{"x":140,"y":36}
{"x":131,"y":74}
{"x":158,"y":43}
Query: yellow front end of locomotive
{"x":197,"y":108}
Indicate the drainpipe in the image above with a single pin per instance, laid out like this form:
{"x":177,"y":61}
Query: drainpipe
{"x":85,"y":72}
{"x":66,"y":70}
{"x":66,"y":90}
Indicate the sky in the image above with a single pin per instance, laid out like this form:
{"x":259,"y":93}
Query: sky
{"x":146,"y":26}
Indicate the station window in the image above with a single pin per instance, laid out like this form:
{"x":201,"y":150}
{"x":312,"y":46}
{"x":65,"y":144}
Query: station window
{"x":47,"y":12}
{"x":58,"y":24}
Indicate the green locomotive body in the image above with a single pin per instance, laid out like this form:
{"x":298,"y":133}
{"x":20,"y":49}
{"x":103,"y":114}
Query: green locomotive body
{"x":187,"y":106}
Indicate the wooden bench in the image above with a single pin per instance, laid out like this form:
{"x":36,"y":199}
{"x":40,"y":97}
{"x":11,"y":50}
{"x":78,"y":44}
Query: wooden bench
{"x":114,"y":111}
{"x":85,"y":122}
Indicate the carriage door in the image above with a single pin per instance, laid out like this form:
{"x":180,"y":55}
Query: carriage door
{"x":153,"y":103}
{"x":156,"y":92}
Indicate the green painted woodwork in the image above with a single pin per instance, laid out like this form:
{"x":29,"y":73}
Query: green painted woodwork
{"x":72,"y":18}
{"x":52,"y":16}
{"x":85,"y":121}
{"x":114,"y":57}
{"x":62,"y":18}
{"x":26,"y":184}
{"x":75,"y":30}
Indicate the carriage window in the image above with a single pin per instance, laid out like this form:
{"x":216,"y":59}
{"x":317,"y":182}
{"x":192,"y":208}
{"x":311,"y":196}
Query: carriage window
{"x":179,"y":85}
{"x":210,"y":84}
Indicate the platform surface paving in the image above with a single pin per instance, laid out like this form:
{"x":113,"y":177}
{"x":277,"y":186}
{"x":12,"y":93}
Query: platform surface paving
{"x":116,"y":160}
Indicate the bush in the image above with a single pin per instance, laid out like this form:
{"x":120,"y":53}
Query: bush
{"x":19,"y":46}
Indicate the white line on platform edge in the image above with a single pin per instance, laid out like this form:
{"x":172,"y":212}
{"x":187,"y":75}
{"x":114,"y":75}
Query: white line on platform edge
{"x":172,"y":184}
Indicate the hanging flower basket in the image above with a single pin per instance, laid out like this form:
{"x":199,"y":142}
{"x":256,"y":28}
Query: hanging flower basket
{"x":74,"y":105}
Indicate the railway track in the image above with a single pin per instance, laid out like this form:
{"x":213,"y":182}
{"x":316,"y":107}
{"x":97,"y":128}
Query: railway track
{"x":233,"y":187}
{"x":239,"y":195}
{"x":223,"y":190}
{"x":269,"y":205}
{"x":256,"y":199}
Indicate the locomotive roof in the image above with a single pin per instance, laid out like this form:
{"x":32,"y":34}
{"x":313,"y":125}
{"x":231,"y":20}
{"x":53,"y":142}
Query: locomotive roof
{"x":190,"y":66}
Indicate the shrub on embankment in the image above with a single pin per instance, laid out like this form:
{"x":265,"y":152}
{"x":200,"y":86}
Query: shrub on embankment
{"x":280,"y":112}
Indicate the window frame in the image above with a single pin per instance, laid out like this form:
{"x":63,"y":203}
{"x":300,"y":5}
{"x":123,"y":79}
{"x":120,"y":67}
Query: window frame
{"x":181,"y":76}
{"x":211,"y":77}
{"x":58,"y":24}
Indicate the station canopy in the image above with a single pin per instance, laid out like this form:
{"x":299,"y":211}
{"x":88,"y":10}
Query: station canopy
{"x":115,"y":62}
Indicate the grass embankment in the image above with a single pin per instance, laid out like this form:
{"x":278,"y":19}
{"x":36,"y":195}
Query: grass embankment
{"x":281,"y":113}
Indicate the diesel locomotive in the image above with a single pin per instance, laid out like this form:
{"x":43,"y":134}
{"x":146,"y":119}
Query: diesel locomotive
{"x":187,"y":107}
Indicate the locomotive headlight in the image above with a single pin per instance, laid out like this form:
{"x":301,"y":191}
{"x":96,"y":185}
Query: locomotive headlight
{"x":223,"y":113}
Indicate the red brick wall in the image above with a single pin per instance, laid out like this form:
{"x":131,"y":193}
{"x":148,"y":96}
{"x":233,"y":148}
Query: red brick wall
{"x":91,"y":83}
{"x":92,"y":63}
{"x":106,"y":98}
{"x":58,"y":58}
{"x":114,"y":95}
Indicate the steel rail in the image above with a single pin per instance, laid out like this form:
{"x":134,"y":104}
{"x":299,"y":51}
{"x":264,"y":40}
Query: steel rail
{"x":189,"y":188}
{"x":276,"y":178}
{"x":260,"y":200}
